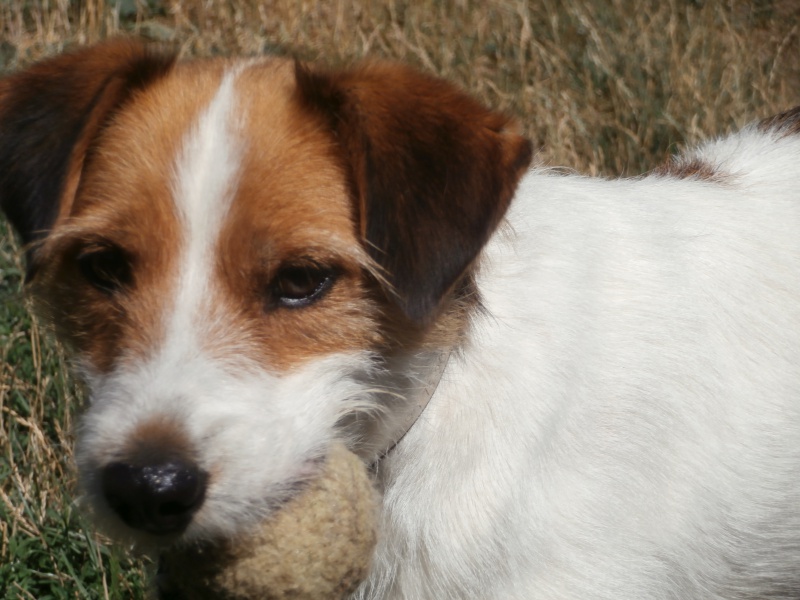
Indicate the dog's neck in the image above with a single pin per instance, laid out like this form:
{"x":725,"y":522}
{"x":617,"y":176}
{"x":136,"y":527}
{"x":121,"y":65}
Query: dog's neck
{"x":406,"y":391}
{"x":411,"y":371}
{"x":418,"y":400}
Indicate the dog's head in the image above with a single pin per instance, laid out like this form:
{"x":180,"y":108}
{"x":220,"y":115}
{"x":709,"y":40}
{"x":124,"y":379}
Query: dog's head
{"x":234,"y":251}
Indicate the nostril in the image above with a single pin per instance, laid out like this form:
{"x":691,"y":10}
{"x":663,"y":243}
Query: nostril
{"x":159,"y":498}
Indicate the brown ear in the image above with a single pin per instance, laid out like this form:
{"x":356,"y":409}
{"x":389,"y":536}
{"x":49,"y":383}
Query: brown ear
{"x":49,"y":115}
{"x":433,"y":172}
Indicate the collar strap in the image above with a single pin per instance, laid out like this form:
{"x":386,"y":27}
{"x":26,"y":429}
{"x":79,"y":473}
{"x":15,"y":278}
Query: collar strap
{"x":415,"y":402}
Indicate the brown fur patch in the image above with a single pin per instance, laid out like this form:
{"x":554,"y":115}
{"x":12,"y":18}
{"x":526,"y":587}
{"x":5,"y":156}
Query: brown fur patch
{"x":406,"y":189}
{"x":156,"y":441}
{"x":49,"y":116}
{"x":124,"y":200}
{"x":432,"y":173}
{"x":785,"y":123}
{"x":689,"y":169}
{"x":292,"y":205}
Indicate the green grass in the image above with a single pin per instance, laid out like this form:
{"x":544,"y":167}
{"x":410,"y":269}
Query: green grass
{"x":605,"y":87}
{"x":47,"y":551}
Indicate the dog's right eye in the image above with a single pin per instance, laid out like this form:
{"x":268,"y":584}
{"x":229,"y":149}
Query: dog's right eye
{"x":106,"y":268}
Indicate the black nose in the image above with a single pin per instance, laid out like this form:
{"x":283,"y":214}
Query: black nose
{"x":157,"y":498}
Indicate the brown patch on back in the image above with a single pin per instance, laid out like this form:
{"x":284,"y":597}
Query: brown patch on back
{"x":785,"y":123}
{"x":690,"y":169}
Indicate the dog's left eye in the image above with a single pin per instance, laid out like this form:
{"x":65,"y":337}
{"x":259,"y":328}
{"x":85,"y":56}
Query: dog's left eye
{"x":297,"y":286}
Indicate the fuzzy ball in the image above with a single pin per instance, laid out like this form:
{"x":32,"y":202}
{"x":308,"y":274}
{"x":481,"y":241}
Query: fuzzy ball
{"x":318,"y":546}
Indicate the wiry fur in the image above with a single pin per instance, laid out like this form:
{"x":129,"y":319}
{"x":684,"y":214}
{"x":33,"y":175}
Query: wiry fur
{"x":619,"y":416}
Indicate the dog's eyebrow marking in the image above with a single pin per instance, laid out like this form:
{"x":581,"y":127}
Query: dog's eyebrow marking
{"x":206,"y":173}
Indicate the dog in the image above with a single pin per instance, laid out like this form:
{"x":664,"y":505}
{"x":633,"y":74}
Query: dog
{"x":566,"y":387}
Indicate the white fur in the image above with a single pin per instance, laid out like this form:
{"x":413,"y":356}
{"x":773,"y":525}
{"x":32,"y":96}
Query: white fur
{"x":204,"y":186}
{"x":624,"y":422}
{"x":257,"y":434}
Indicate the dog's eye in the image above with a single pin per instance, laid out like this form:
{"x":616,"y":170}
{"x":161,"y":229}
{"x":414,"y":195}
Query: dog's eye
{"x":298,"y":286}
{"x":106,"y":268}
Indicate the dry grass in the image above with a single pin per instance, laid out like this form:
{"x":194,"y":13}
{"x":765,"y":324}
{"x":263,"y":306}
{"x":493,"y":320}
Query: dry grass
{"x":607,"y":87}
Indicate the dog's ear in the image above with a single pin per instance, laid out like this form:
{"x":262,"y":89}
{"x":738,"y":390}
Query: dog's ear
{"x":49,"y":116}
{"x":432,"y":171}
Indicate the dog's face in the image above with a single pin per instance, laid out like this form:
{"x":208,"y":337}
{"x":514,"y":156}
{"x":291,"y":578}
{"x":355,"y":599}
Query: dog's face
{"x":235,"y":253}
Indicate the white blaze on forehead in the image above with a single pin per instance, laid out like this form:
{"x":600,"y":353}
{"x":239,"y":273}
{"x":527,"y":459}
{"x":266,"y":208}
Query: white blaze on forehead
{"x":205,"y":183}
